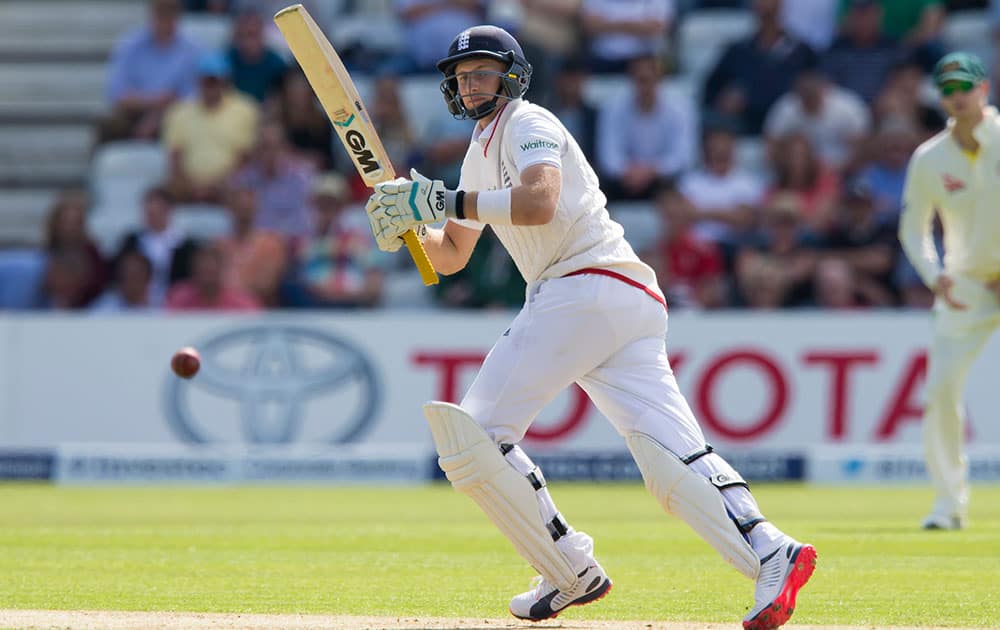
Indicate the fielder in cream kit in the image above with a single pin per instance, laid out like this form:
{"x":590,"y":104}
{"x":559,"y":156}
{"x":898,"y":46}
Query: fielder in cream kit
{"x":594,"y":316}
{"x":957,"y":175}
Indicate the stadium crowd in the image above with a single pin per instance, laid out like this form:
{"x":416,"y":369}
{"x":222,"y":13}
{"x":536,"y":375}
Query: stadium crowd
{"x":834,"y":92}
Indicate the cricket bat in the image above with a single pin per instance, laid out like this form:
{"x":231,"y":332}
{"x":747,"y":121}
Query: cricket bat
{"x":340,"y":99}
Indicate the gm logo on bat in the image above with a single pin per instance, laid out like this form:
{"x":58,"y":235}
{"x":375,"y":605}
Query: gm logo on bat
{"x":275,"y":384}
{"x":358,"y":145}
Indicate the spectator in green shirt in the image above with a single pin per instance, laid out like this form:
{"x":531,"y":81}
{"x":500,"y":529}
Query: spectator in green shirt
{"x":256,"y":68}
{"x":916,"y":24}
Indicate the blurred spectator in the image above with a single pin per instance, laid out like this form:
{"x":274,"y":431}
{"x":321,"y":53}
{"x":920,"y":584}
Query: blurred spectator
{"x":67,"y":280}
{"x":753,"y":73}
{"x":643,"y":136}
{"x":210,"y":136}
{"x":916,"y":24}
{"x":549,"y":35}
{"x":570,"y":107}
{"x":306,"y":124}
{"x":622,"y":30}
{"x":866,"y":246}
{"x":762,"y":283}
{"x":907,"y":94}
{"x":156,"y":240}
{"x":489,"y":280}
{"x":254,"y":259}
{"x":814,"y":22}
{"x":725,"y":199}
{"x":133,"y":274}
{"x":209,"y":6}
{"x":862,"y":55}
{"x":151,"y":66}
{"x":690,"y":269}
{"x":805,"y":181}
{"x":884,"y":177}
{"x":836,"y":120}
{"x":77,"y":271}
{"x":337,"y":265}
{"x":774,"y":268}
{"x":256,"y":68}
{"x":390,"y":118}
{"x":430,"y":26}
{"x":834,"y":285}
{"x":206,"y":289}
{"x":282,"y":182}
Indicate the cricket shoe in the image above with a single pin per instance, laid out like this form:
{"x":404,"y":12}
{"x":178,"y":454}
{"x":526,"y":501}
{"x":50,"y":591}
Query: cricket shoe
{"x":782,"y":574}
{"x":942,"y":521}
{"x":545,"y":601}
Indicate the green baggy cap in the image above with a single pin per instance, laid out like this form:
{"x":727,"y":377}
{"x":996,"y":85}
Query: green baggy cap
{"x":959,"y":66}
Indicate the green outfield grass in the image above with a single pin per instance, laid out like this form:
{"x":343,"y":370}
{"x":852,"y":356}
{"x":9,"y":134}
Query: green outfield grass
{"x":427,"y":551}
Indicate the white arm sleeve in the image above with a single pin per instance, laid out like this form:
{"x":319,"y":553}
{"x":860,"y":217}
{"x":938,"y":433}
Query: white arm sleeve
{"x":534,"y":139}
{"x":915,"y":224}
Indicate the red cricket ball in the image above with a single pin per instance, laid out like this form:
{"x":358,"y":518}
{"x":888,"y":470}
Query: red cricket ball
{"x":185,"y":362}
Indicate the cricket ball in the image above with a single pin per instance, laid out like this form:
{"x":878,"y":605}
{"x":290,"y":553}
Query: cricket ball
{"x":185,"y":362}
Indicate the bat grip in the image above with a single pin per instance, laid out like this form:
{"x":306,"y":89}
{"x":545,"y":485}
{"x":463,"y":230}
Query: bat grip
{"x":420,"y":259}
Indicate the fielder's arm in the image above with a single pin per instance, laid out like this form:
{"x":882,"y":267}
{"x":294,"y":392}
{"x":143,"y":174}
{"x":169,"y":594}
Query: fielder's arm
{"x":915,"y":232}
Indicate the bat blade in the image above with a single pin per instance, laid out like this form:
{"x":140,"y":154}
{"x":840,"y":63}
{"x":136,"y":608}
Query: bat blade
{"x":342,"y":103}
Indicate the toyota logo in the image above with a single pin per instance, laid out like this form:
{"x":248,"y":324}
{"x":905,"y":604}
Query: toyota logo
{"x":275,"y":384}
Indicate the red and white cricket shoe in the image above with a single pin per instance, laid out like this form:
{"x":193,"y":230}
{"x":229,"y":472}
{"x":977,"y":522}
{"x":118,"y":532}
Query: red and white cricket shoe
{"x":782,"y":574}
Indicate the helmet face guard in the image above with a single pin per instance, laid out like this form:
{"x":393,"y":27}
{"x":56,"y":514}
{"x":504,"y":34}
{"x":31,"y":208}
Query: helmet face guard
{"x":485,"y":42}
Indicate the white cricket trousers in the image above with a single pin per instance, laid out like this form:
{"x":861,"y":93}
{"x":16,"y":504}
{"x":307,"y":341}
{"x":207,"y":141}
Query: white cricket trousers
{"x":958,"y":338}
{"x":601,"y":333}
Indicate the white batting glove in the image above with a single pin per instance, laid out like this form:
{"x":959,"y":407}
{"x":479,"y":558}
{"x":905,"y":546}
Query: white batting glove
{"x":388,"y":233}
{"x":409,"y":203}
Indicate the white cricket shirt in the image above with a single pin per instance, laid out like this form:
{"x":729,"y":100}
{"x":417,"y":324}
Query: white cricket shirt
{"x":965,"y":192}
{"x":581,"y":234}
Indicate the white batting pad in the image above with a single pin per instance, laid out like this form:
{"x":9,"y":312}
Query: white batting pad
{"x":474,"y":466}
{"x":692,"y":498}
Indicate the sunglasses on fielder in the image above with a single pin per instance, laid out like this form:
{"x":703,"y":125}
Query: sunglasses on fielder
{"x":957,"y":86}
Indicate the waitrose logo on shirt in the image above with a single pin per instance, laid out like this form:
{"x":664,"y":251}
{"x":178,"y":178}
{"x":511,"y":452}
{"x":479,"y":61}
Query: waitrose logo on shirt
{"x":538,"y":144}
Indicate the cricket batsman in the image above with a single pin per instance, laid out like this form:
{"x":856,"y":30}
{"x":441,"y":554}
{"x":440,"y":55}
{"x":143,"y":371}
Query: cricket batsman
{"x":593,"y":315}
{"x":956,"y":174}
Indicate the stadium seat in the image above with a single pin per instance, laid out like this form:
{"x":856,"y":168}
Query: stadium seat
{"x":419,"y":93}
{"x":600,"y":89}
{"x":23,"y":213}
{"x":211,"y":32}
{"x":109,"y":225}
{"x":52,"y":89}
{"x":44,"y":155}
{"x":705,"y":34}
{"x":640,"y":221}
{"x":121,"y":172}
{"x":202,"y":221}
{"x":21,"y":273}
{"x":970,"y":30}
{"x":51,"y":26}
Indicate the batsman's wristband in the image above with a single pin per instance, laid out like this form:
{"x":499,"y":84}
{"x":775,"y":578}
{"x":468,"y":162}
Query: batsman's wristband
{"x":493,"y":206}
{"x":454,"y":204}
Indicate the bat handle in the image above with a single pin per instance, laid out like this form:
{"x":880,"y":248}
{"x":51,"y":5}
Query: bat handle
{"x":423,"y":263}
